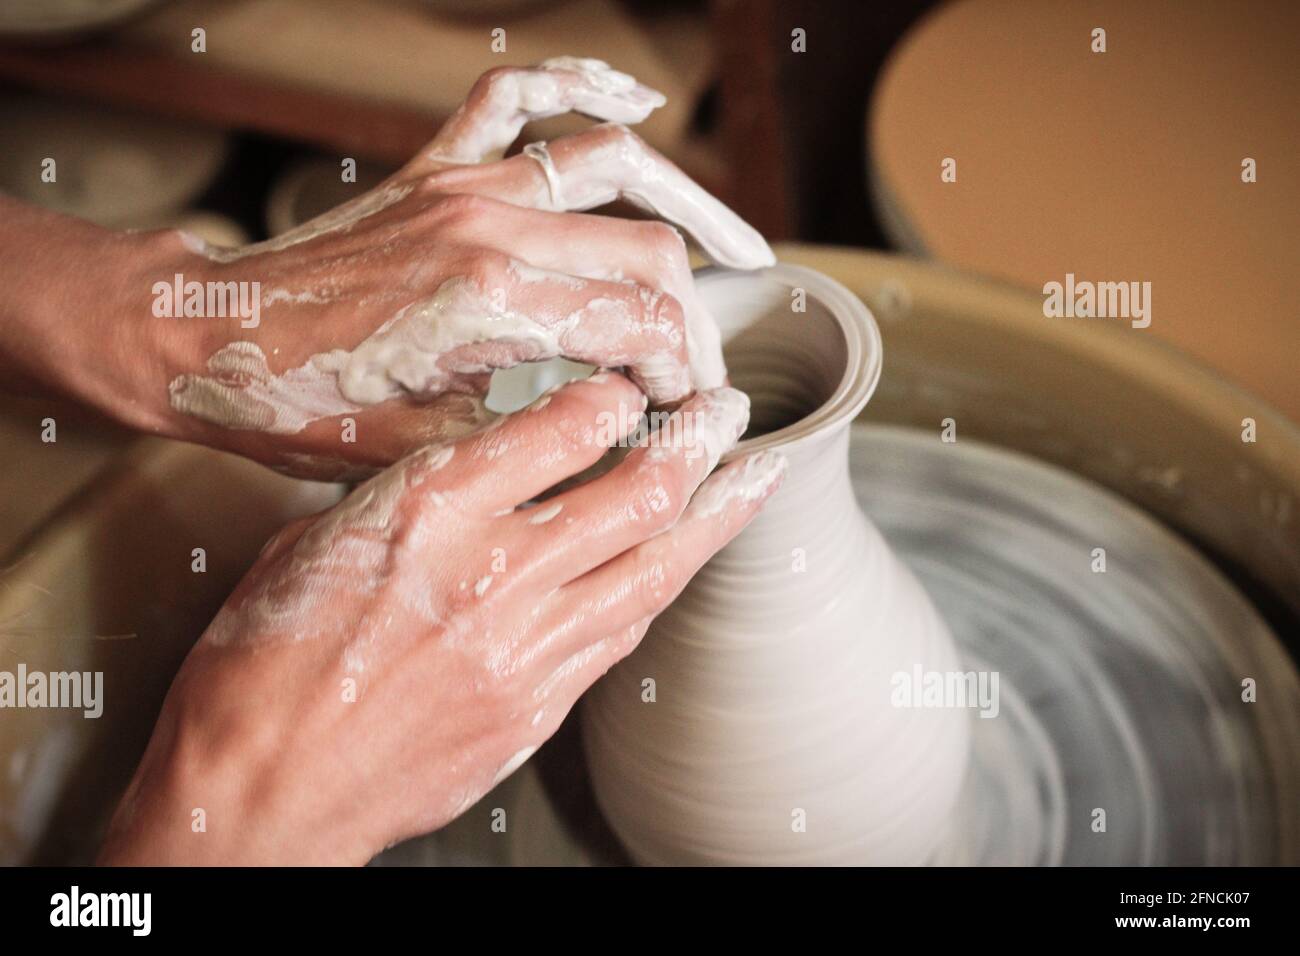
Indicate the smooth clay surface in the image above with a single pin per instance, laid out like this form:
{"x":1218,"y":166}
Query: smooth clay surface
{"x":771,"y":737}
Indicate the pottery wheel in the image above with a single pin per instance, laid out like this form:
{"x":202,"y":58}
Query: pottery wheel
{"x":1121,"y":735}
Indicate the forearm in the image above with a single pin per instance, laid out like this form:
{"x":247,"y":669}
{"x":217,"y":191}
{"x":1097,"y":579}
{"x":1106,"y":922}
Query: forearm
{"x":76,"y":318}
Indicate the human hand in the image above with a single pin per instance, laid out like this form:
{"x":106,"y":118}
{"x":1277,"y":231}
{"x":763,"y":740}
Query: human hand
{"x":460,"y":263}
{"x":385,"y":663}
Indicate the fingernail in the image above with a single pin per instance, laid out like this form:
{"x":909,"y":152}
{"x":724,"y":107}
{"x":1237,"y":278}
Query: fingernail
{"x":721,"y":416}
{"x":756,"y":478}
{"x":764,"y":471}
{"x":663,"y":377}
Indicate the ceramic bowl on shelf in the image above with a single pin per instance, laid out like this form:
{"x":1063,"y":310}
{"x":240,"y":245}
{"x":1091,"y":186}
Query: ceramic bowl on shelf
{"x":114,"y":167}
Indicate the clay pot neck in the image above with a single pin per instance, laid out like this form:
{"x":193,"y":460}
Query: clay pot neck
{"x":808,"y":353}
{"x":803,"y":347}
{"x":809,"y":544}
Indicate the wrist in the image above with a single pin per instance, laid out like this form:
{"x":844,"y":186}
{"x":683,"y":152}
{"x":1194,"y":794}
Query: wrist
{"x":223,"y":792}
{"x":78,"y":320}
{"x":130,"y":345}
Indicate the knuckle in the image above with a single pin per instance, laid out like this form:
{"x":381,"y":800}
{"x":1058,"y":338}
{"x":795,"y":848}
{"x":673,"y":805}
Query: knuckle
{"x":663,"y":315}
{"x":430,"y":190}
{"x":619,"y":134}
{"x":494,"y":81}
{"x":615,"y":399}
{"x":490,"y":267}
{"x":661,"y":491}
{"x":462,"y":210}
{"x":284,"y":539}
{"x":615,"y":141}
{"x":564,"y":433}
{"x":665,"y":242}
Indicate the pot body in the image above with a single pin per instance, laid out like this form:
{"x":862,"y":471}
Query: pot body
{"x":767,"y":717}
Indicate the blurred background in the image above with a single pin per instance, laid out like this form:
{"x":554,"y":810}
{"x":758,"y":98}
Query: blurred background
{"x":372,"y":79}
{"x":821,"y":121}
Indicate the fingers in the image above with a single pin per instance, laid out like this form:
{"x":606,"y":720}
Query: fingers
{"x":641,"y":497}
{"x":605,"y":163}
{"x":554,"y":695}
{"x":651,"y":254}
{"x":384,"y":434}
{"x":504,"y":99}
{"x":352,"y":544}
{"x":570,"y":675}
{"x":612,"y":325}
{"x":504,"y":312}
{"x":531,"y":450}
{"x":639,"y":583}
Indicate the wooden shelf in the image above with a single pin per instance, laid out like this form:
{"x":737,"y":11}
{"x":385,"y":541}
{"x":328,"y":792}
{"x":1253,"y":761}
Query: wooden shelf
{"x":374,"y":79}
{"x":171,"y":86}
{"x":365,"y":78}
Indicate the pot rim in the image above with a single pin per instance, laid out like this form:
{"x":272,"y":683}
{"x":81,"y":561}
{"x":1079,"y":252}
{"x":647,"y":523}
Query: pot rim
{"x":863,"y":353}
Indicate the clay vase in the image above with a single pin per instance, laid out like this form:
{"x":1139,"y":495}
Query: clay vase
{"x":761,"y":721}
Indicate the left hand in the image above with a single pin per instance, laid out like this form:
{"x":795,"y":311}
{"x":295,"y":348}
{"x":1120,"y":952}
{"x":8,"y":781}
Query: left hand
{"x":460,"y":263}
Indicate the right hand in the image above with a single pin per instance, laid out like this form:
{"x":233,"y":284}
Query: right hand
{"x":465,"y":626}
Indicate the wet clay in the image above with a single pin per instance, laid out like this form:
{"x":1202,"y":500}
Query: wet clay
{"x":771,"y":736}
